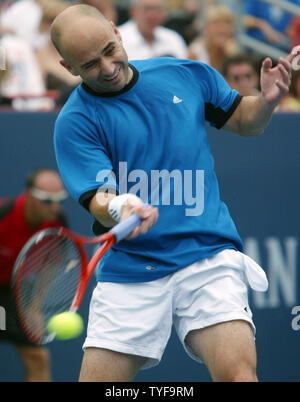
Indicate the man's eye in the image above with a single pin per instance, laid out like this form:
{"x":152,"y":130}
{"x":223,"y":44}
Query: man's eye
{"x":110,"y":51}
{"x":90,"y":65}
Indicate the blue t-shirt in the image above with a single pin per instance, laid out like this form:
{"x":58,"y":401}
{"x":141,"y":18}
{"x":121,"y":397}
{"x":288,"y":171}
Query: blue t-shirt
{"x":150,"y":139}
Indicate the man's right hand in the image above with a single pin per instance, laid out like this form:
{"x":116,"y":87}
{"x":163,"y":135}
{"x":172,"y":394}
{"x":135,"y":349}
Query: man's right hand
{"x":148,"y":214}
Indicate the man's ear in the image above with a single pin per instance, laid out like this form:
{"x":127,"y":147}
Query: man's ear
{"x":68,"y":67}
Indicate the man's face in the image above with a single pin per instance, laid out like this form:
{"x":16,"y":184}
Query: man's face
{"x":243,"y":78}
{"x":99,"y":58}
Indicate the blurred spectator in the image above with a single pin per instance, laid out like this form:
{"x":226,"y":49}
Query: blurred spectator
{"x":145,"y":37}
{"x":23,"y":18}
{"x":291,"y":103}
{"x":184,"y":20}
{"x":106,"y":7}
{"x":33,"y":62}
{"x":217,"y":41}
{"x":241,"y":73}
{"x":23,"y":77}
{"x":268,"y":22}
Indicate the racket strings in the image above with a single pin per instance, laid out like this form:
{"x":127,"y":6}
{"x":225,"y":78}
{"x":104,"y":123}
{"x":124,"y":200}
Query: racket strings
{"x":44,"y":251}
{"x":48,"y":283}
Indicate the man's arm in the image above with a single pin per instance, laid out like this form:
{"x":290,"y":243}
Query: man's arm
{"x":253,"y":114}
{"x":251,"y":117}
{"x":99,"y":208}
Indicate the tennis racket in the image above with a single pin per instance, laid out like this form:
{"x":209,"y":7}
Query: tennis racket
{"x":52,"y":271}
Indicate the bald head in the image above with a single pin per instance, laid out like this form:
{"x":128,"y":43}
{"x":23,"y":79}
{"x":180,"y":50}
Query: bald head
{"x":72,"y":22}
{"x":91,"y":47}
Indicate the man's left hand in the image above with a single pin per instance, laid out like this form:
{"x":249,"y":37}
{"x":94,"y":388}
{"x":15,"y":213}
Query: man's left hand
{"x":275,"y":81}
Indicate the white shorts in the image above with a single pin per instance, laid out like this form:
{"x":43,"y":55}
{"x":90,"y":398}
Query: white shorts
{"x":137,"y":318}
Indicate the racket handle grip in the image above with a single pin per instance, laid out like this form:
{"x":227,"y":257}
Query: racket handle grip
{"x":123,"y":228}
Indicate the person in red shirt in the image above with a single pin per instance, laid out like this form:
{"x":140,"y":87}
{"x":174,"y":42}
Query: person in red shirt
{"x":38,"y":207}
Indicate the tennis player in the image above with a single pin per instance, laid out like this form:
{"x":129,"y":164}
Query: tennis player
{"x":184,"y":265}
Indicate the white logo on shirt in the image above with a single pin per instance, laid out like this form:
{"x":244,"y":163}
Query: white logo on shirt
{"x":150,"y":268}
{"x":176,"y":100}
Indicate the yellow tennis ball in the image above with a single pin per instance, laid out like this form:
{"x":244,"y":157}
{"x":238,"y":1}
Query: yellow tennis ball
{"x":65,"y":325}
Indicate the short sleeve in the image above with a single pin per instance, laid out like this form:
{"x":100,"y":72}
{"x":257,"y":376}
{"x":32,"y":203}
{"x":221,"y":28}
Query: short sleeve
{"x":217,"y":116}
{"x":82,"y":156}
{"x":220,"y":100}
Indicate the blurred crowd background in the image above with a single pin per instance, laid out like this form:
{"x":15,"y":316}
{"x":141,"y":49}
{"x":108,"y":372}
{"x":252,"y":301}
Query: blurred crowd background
{"x":233,"y":36}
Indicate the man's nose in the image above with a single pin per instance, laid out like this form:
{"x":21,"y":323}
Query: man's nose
{"x":107,"y":68}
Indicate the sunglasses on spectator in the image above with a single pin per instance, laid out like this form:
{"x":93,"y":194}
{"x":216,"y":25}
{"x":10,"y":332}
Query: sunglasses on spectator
{"x":48,"y":198}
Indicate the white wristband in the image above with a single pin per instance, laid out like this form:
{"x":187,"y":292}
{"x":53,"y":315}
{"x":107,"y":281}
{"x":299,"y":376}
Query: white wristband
{"x":296,"y":63}
{"x":116,"y":204}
